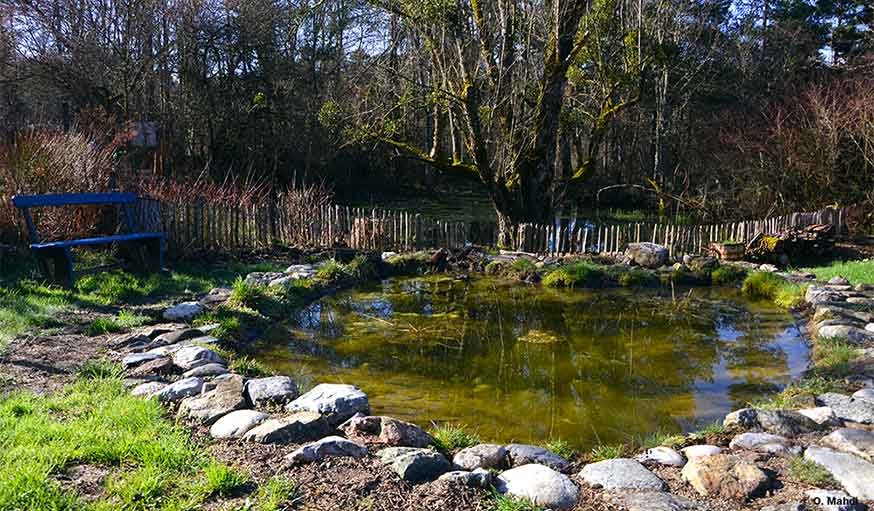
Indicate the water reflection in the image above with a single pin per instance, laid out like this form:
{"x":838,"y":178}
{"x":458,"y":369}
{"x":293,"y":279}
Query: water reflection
{"x":527,"y":364}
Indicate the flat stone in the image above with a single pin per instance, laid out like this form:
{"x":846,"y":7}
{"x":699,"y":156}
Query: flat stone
{"x":181,"y":389}
{"x":851,"y":333}
{"x":136,"y":359}
{"x":148,"y":389}
{"x":822,"y":415}
{"x":273,"y":390}
{"x":210,"y":407}
{"x":621,"y":474}
{"x":832,"y":500}
{"x":787,"y":423}
{"x":296,"y":428}
{"x":541,"y":485}
{"x":848,"y":408}
{"x":183,"y":312}
{"x":179,"y":335}
{"x":327,"y":447}
{"x":859,"y":442}
{"x":653,"y":501}
{"x":699,"y":451}
{"x":855,"y":474}
{"x":236,"y":424}
{"x":133,"y":341}
{"x":337,"y":402}
{"x":154,"y":331}
{"x":385,"y":430}
{"x":300,"y":271}
{"x":486,"y":456}
{"x":725,"y":476}
{"x":415,"y":465}
{"x":206,"y":370}
{"x":765,"y":443}
{"x":190,"y":357}
{"x":479,"y":478}
{"x":663,"y":456}
{"x":523,"y":454}
{"x":161,"y":366}
{"x":867,"y":394}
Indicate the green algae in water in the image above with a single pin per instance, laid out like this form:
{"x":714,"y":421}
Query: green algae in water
{"x":619,"y":364}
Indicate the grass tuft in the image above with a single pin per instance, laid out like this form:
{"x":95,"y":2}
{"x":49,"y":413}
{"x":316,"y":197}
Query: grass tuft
{"x":248,"y":367}
{"x":276,"y":494}
{"x":834,"y":356}
{"x":222,"y":480}
{"x":799,"y":394}
{"x":508,"y":503}
{"x":806,"y":471}
{"x":561,"y":447}
{"x":245,"y":294}
{"x":603,"y":452}
{"x":449,"y":437}
{"x":100,"y":369}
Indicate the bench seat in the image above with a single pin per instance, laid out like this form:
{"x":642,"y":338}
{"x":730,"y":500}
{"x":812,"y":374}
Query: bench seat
{"x":98,"y":241}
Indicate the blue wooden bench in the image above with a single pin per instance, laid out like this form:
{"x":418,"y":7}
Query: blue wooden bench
{"x":56,"y":259}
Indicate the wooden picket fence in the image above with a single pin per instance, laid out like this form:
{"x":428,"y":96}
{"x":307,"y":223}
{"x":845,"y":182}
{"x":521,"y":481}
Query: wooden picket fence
{"x":204,"y":226}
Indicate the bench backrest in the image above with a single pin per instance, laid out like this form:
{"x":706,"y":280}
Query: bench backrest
{"x":25,"y":202}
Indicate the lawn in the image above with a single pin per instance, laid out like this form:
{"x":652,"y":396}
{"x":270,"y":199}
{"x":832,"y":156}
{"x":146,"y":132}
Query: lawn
{"x":857,"y":272}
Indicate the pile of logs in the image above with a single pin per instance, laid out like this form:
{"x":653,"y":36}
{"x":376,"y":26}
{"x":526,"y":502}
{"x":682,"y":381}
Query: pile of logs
{"x":792,"y":244}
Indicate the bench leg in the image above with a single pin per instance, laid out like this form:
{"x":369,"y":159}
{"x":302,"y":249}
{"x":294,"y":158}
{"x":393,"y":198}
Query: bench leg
{"x":57,"y":266}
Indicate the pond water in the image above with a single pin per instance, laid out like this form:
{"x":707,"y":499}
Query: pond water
{"x":528,"y":364}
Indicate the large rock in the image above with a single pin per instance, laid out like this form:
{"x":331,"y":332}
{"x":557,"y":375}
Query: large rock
{"x":648,"y":255}
{"x":329,"y":446}
{"x":487,"y":456}
{"x":161,"y":366}
{"x":415,"y":465}
{"x":663,"y":456}
{"x":867,"y":394}
{"x":337,"y":402}
{"x":621,"y":474}
{"x":236,"y":424}
{"x":274,"y":390}
{"x":148,"y":389}
{"x":699,"y":451}
{"x":190,"y":357}
{"x":479,"y":478}
{"x":853,"y":441}
{"x":210,"y":407}
{"x":181,"y":389}
{"x":787,"y":423}
{"x":653,"y":501}
{"x":851,"y":333}
{"x":206,"y":370}
{"x":523,"y":454}
{"x":766,"y":443}
{"x":296,"y":428}
{"x":848,"y":408}
{"x":136,"y":359}
{"x":386,"y":430}
{"x":816,"y":295}
{"x":855,"y":474}
{"x":178,"y":335}
{"x":822,"y":415}
{"x":183,"y":312}
{"x":300,"y":271}
{"x":725,"y":476}
{"x":541,"y":485}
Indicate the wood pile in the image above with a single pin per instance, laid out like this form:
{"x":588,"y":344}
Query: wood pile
{"x":791,"y":244}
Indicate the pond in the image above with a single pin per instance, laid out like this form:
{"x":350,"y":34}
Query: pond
{"x":524,"y":363}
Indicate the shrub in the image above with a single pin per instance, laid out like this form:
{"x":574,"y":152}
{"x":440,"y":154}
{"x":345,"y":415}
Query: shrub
{"x":496,"y":267}
{"x":449,"y":437}
{"x":636,"y":277}
{"x":362,"y":268}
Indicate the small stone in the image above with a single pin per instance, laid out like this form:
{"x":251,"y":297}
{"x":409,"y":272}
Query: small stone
{"x":236,"y":424}
{"x":179,"y":335}
{"x":337,"y":402}
{"x":822,"y":415}
{"x":148,"y":389}
{"x":770,"y":268}
{"x":215,"y":297}
{"x":415,"y":465}
{"x":832,"y":500}
{"x":181,"y":389}
{"x":190,"y":357}
{"x":663,"y":456}
{"x":206,"y":370}
{"x":700,"y":451}
{"x":486,"y":456}
{"x":295,"y":428}
{"x":725,"y":476}
{"x":138,"y":358}
{"x":854,"y":473}
{"x":853,"y":441}
{"x":621,"y":474}
{"x":183,"y":312}
{"x":869,"y":327}
{"x":328,"y":446}
{"x":161,"y":366}
{"x":386,"y":256}
{"x":838,"y":281}
{"x":210,"y":407}
{"x":848,"y":408}
{"x":479,"y":478}
{"x":274,"y":390}
{"x":653,"y":501}
{"x":523,"y":454}
{"x":766,"y":443}
{"x":386,"y":430}
{"x":541,"y":485}
{"x":867,"y":394}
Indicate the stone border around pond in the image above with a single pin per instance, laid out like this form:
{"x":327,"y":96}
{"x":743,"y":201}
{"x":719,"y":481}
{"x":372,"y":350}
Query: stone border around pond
{"x":176,"y":364}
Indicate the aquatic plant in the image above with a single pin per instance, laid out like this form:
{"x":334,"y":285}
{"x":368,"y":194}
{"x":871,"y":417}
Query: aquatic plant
{"x":769,"y":286}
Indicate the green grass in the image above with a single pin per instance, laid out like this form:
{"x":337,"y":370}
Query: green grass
{"x":100,"y":369}
{"x":275,"y":495}
{"x":508,"y":503}
{"x":603,"y":452}
{"x":769,"y":286}
{"x":449,"y":437}
{"x":560,"y":447}
{"x":222,"y":480}
{"x":726,"y":275}
{"x":574,"y":275}
{"x":248,"y":367}
{"x":857,"y":272}
{"x":833,"y":357}
{"x":246,"y":294}
{"x":713,"y":428}
{"x":798,"y":394}
{"x":806,"y":471}
{"x":332,"y":271}
{"x":658,"y":438}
